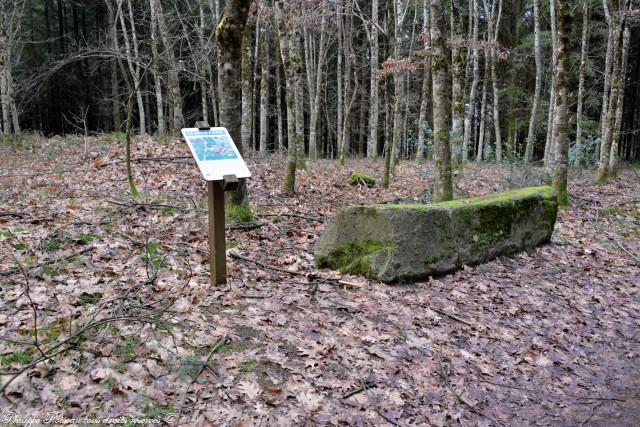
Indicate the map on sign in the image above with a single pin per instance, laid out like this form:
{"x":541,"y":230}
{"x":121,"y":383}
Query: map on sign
{"x":215,"y":153}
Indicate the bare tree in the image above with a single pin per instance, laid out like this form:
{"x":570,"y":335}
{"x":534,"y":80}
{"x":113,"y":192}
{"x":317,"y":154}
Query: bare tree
{"x":173,"y":83}
{"x":494,"y":13}
{"x":531,"y":135}
{"x":11,"y":13}
{"x":561,"y":126}
{"x":443,"y":186}
{"x":228,"y":39}
{"x":475,"y":17}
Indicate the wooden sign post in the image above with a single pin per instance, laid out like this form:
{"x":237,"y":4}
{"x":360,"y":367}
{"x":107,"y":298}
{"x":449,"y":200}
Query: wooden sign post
{"x":221,"y":165}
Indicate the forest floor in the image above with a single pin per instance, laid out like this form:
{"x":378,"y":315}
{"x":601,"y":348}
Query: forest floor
{"x":128,"y":325}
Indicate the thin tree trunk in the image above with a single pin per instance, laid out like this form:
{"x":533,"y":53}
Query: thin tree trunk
{"x":443,"y":185}
{"x":426,"y":87}
{"x":133,"y":63}
{"x":297,"y":63}
{"x":374,"y":112}
{"x":607,"y":71}
{"x":173,"y":83}
{"x":615,"y":23}
{"x":549,"y":148}
{"x":162,"y":128}
{"x":289,"y":183}
{"x":264,"y":91}
{"x":458,"y":67}
{"x":531,"y":135}
{"x":398,"y":83}
{"x":280,"y":147}
{"x":493,"y":28}
{"x":586,"y":11}
{"x":247,"y":88}
{"x":483,"y":111}
{"x":474,"y":83}
{"x":561,"y":126}
{"x":339,"y":77}
{"x":614,"y":158}
{"x":315,"y":59}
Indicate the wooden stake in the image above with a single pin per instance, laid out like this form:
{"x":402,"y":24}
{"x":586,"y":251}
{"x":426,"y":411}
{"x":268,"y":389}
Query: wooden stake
{"x":217,"y":244}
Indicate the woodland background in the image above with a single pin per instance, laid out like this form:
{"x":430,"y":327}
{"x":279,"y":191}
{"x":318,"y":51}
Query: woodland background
{"x":106,"y":309}
{"x":362,"y":74}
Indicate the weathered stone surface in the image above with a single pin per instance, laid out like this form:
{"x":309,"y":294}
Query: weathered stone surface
{"x":395,"y":243}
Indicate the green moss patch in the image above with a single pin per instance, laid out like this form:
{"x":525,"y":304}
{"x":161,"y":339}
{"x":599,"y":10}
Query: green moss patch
{"x":357,"y":178}
{"x":354,"y":257}
{"x":235,"y":213}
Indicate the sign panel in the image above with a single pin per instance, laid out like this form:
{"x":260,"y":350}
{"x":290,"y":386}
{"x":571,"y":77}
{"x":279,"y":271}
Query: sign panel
{"x":215,"y":153}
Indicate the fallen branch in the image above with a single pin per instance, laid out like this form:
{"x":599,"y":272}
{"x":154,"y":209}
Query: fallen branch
{"x":51,"y":261}
{"x":449,"y":315}
{"x":136,"y":205}
{"x":367,"y":385}
{"x":244,"y":226}
{"x":294,"y":215}
{"x":309,"y":276}
{"x":612,"y":237}
{"x":236,"y":255}
{"x":13,"y":214}
{"x":215,"y":348}
{"x":176,"y":159}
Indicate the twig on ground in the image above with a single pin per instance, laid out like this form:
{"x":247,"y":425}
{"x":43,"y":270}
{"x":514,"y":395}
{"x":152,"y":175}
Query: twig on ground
{"x":136,"y":205}
{"x":444,"y":377}
{"x":449,"y":315}
{"x":244,"y":226}
{"x":27,"y":292}
{"x":51,"y":261}
{"x":294,"y":215}
{"x":14,"y":214}
{"x":215,"y":348}
{"x":367,"y":385}
{"x":633,"y":257}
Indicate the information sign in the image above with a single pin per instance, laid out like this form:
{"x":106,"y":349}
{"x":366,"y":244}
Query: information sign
{"x":215,"y":153}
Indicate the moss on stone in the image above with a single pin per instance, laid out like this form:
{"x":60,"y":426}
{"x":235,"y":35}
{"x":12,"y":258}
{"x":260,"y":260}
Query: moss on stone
{"x":359,"y":178}
{"x":544,"y":192}
{"x":353,"y":257}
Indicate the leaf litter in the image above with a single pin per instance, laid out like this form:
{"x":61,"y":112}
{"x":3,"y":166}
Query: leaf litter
{"x":107,"y":308}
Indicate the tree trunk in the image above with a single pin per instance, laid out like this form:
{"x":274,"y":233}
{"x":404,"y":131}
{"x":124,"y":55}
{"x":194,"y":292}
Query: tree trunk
{"x":284,"y":35}
{"x":586,"y":11}
{"x":549,"y":148}
{"x":372,"y":143}
{"x":458,"y":67}
{"x":614,"y":21}
{"x":398,"y":82}
{"x":615,"y":141}
{"x":264,"y":91}
{"x":315,"y":59}
{"x":426,"y":87}
{"x":229,"y":39}
{"x":474,"y":83}
{"x":483,"y":111}
{"x":443,"y":185}
{"x":561,"y":126}
{"x":493,"y":27}
{"x":162,"y":128}
{"x":133,"y":64}
{"x":531,"y":135}
{"x":280,"y":120}
{"x":297,"y":63}
{"x":339,"y":78}
{"x":173,"y":83}
{"x":247,"y":88}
